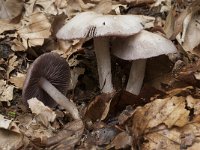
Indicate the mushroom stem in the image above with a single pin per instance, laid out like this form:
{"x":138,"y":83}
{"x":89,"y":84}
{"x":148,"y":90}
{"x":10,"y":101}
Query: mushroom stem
{"x":101,"y":46}
{"x":136,"y":76}
{"x":59,"y":98}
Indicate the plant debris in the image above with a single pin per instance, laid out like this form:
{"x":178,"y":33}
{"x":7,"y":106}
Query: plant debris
{"x":164,"y":115}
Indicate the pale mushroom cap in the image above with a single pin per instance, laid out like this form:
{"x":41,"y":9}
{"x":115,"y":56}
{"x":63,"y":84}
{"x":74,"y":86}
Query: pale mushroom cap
{"x":142,"y":45}
{"x":91,"y":24}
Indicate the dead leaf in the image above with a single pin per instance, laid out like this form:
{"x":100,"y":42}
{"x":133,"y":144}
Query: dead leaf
{"x":10,"y":140}
{"x":18,"y":80}
{"x":29,"y":7}
{"x":179,"y":91}
{"x":165,"y":5}
{"x":7,"y":26}
{"x":125,"y":115}
{"x":44,"y":113}
{"x":194,"y":104}
{"x":121,"y":141}
{"x":137,"y":2}
{"x":6,"y":91}
{"x":68,"y":137}
{"x":186,"y":137}
{"x":103,"y":135}
{"x":104,"y":7}
{"x":168,"y":111}
{"x":98,"y":109}
{"x":174,"y":23}
{"x":47,"y":6}
{"x":75,"y":73}
{"x":162,"y":138}
{"x":34,"y":30}
{"x":189,"y":38}
{"x":10,"y":8}
{"x":32,"y":129}
{"x":12,"y":64}
{"x":17,"y":45}
{"x":4,"y":123}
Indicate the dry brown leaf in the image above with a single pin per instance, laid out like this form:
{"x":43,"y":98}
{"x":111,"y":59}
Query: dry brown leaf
{"x":186,"y":137}
{"x":30,"y":128}
{"x":168,"y":111}
{"x":18,"y":80}
{"x":44,"y":113}
{"x":85,"y":6}
{"x":4,"y":123}
{"x":189,"y":38}
{"x":121,"y":141}
{"x":47,"y":6}
{"x":178,"y":129}
{"x":194,"y":104}
{"x":169,"y":24}
{"x":68,"y":137}
{"x":7,"y":26}
{"x":104,"y":7}
{"x":34,"y":30}
{"x":70,"y":7}
{"x":12,"y":64}
{"x":25,"y":121}
{"x":70,"y":47}
{"x":162,"y":138}
{"x":10,"y":140}
{"x":174,"y":23}
{"x":17,"y":45}
{"x":125,"y":115}
{"x":137,"y":2}
{"x":102,"y":134}
{"x":192,"y":38}
{"x":75,"y":73}
{"x":29,"y":7}
{"x":10,"y":8}
{"x":178,"y":91}
{"x":6,"y":91}
{"x":164,"y":4}
{"x":98,"y":109}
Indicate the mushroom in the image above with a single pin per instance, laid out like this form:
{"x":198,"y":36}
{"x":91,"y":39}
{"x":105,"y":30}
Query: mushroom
{"x":138,"y":48}
{"x":47,"y":79}
{"x":101,"y":27}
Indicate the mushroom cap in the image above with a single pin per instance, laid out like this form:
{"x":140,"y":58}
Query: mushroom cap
{"x":51,"y":67}
{"x":142,"y":45}
{"x":91,"y":24}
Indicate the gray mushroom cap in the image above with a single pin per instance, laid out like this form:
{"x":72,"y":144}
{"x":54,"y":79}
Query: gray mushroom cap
{"x":91,"y":24}
{"x":51,"y":67}
{"x":142,"y":45}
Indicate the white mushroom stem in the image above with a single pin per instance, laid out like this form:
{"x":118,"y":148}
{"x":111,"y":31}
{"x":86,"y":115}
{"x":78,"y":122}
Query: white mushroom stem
{"x":101,"y":46}
{"x":136,"y":76}
{"x":59,"y":98}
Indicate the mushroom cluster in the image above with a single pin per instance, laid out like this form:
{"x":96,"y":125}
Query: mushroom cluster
{"x":47,"y":79}
{"x":101,"y":28}
{"x":131,"y":42}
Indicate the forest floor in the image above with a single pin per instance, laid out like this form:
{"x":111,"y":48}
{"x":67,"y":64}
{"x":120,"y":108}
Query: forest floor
{"x":165,"y":114}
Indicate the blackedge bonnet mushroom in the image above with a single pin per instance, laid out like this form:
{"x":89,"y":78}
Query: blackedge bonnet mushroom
{"x":138,"y":48}
{"x":101,"y":27}
{"x":47,"y":79}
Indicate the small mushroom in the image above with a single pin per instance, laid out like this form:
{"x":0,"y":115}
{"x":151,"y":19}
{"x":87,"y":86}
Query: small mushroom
{"x":47,"y":79}
{"x":138,"y":48}
{"x":101,"y":27}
